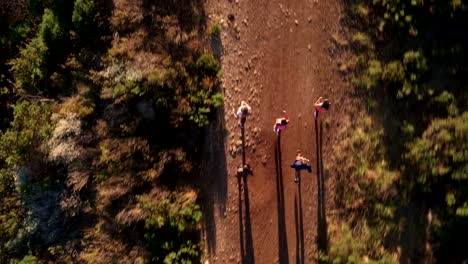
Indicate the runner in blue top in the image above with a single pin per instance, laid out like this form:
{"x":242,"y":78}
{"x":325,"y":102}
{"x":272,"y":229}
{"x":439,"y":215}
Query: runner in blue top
{"x":301,"y":163}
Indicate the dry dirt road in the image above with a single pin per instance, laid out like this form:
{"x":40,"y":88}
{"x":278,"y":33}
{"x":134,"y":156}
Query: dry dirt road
{"x":276,"y":54}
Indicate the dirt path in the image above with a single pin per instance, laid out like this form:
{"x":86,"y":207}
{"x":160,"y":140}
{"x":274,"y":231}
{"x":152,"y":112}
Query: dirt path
{"x":276,"y":55}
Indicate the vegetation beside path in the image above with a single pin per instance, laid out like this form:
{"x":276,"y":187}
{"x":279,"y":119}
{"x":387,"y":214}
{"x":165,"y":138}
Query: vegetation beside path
{"x":103,"y":105}
{"x":403,"y":174}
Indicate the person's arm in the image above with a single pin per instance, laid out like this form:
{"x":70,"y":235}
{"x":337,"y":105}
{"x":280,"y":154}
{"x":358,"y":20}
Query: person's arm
{"x":249,"y":109}
{"x":286,"y":115}
{"x":319,"y":101}
{"x":234,"y":112}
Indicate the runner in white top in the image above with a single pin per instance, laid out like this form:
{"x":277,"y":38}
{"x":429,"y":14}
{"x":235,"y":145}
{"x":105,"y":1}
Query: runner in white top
{"x":242,"y":112}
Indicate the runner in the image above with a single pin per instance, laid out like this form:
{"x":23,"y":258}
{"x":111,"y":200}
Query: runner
{"x":301,"y":163}
{"x":242,"y":112}
{"x":321,"y":105}
{"x":281,"y":123}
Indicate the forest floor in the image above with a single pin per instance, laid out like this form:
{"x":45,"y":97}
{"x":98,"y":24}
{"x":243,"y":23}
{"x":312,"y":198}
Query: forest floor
{"x":276,"y":55}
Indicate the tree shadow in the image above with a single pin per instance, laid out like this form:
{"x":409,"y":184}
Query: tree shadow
{"x":299,"y":222}
{"x":413,"y":236}
{"x":322,"y":236}
{"x":213,"y":177}
{"x":178,"y":28}
{"x":216,"y":46}
{"x":282,"y":235}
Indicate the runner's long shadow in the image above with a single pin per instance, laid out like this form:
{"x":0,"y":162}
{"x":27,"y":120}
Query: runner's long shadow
{"x":246,"y":243}
{"x":282,"y":236}
{"x":322,"y":237}
{"x":243,"y":144}
{"x":299,"y":222}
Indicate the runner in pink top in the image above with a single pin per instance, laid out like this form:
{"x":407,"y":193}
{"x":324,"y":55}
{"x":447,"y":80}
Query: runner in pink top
{"x":281,"y":123}
{"x":321,"y":105}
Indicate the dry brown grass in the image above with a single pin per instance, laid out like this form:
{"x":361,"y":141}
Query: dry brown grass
{"x":101,"y":129}
{"x":126,"y":15}
{"x":104,"y":248}
{"x":63,"y":146}
{"x":78,"y":104}
{"x":132,"y":215}
{"x":111,"y":193}
{"x":77,"y":180}
{"x":188,"y":198}
{"x":71,"y":204}
{"x":114,"y":188}
{"x":122,"y":150}
{"x":155,"y":195}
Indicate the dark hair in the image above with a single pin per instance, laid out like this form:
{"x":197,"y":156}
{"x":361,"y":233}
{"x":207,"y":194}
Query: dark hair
{"x":245,"y":110}
{"x":326,"y":104}
{"x":284,"y":121}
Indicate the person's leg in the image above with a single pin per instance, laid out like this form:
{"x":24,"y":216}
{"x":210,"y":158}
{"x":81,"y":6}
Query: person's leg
{"x":243,"y":121}
{"x":279,"y":129}
{"x":315,"y":114}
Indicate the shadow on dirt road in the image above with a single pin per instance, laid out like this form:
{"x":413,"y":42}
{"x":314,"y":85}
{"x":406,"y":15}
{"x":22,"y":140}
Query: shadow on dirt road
{"x":213,"y":178}
{"x":322,"y":237}
{"x":282,"y":235}
{"x":299,"y":222}
{"x":245,"y":226}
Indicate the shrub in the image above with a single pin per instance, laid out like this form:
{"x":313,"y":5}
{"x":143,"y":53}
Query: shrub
{"x":203,"y":101}
{"x":20,"y":32}
{"x":360,"y":9}
{"x":441,"y":152}
{"x":208,"y":65}
{"x":30,"y":69}
{"x":53,"y":34}
{"x":361,"y":39}
{"x":77,"y":105}
{"x":366,"y":166}
{"x":29,"y":259}
{"x":345,"y":247}
{"x":11,"y":215}
{"x":426,"y":85}
{"x":352,"y":246}
{"x":172,"y":228}
{"x":372,"y":76}
{"x":393,"y":72}
{"x":84,"y":18}
{"x":29,"y":129}
{"x":215,"y":30}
